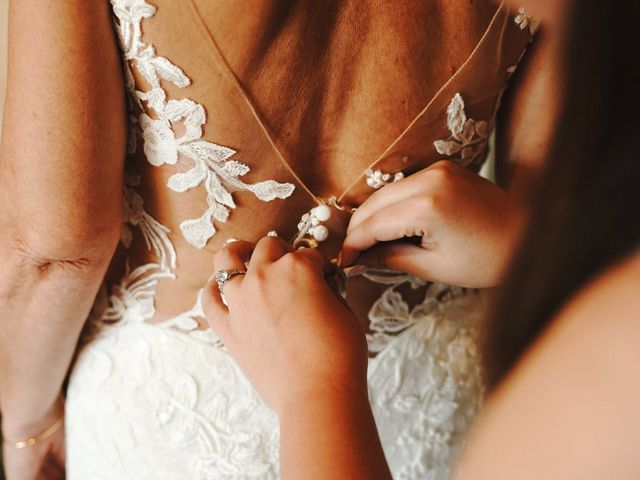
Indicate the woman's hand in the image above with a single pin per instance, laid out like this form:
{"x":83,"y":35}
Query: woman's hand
{"x":44,"y":461}
{"x":466,"y":225}
{"x":305,"y":353}
{"x":291,"y":334}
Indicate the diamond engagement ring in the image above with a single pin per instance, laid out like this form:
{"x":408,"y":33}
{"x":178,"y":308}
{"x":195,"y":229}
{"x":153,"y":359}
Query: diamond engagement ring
{"x":223,"y":276}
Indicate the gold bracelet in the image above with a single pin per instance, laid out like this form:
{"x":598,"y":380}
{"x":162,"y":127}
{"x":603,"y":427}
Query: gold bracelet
{"x":30,"y":442}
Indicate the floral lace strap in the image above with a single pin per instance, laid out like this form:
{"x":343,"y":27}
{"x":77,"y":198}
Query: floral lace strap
{"x":468,"y":138}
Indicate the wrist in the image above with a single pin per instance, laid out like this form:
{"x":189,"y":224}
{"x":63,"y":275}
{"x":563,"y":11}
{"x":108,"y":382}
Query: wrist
{"x":334,"y":398}
{"x":17,"y":426}
{"x":321,"y":428}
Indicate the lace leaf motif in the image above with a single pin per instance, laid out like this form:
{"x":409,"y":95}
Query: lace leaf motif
{"x":132,"y":300}
{"x":212,"y":164}
{"x":156,"y":235}
{"x":468,"y":137}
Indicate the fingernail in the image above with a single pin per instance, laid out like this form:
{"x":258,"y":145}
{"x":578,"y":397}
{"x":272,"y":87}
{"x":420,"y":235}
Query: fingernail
{"x":230,"y":240}
{"x":272,"y":233}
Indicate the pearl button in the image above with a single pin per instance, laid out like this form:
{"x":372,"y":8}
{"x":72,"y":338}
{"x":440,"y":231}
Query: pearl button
{"x":320,"y":233}
{"x":322,"y":213}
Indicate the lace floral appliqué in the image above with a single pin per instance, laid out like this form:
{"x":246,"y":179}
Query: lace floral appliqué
{"x":212,"y":166}
{"x":524,"y":20}
{"x":153,"y":117}
{"x":132,"y":300}
{"x":425,"y":383}
{"x":468,"y":138}
{"x":156,"y":235}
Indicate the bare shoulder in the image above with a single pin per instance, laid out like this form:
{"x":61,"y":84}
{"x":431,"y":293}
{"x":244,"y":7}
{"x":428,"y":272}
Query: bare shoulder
{"x":598,"y":330}
{"x":609,"y":302}
{"x":593,"y":341}
{"x":569,"y":408}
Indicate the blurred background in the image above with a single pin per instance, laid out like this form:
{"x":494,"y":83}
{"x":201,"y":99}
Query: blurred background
{"x":3,"y":71}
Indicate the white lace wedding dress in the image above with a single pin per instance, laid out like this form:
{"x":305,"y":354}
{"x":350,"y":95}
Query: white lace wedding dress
{"x":165,"y":401}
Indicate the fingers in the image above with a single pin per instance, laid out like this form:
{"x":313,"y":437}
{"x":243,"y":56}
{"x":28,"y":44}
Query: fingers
{"x":233,"y":256}
{"x":215,"y":310}
{"x":394,"y":222}
{"x":313,"y":258}
{"x":389,"y":194}
{"x":268,"y":250}
{"x":400,"y":257}
{"x":434,"y":178}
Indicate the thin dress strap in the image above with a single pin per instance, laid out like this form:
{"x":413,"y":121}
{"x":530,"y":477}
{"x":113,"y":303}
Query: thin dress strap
{"x":222,"y":62}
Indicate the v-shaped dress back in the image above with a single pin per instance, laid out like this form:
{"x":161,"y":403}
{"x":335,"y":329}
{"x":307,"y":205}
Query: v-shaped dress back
{"x":153,"y":393}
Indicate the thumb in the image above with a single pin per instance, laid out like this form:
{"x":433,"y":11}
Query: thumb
{"x":399,"y":256}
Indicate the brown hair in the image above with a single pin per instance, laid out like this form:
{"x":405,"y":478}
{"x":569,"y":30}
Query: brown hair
{"x":587,"y":208}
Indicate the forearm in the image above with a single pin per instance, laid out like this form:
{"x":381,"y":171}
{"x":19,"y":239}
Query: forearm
{"x":43,"y":308}
{"x":331,"y":436}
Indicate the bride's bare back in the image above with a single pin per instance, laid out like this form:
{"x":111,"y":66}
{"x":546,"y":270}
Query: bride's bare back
{"x":311,"y":96}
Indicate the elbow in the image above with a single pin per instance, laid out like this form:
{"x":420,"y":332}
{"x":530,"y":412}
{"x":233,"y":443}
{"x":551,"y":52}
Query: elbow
{"x":62,"y":248}
{"x":58,"y":230}
{"x":36,"y":260}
